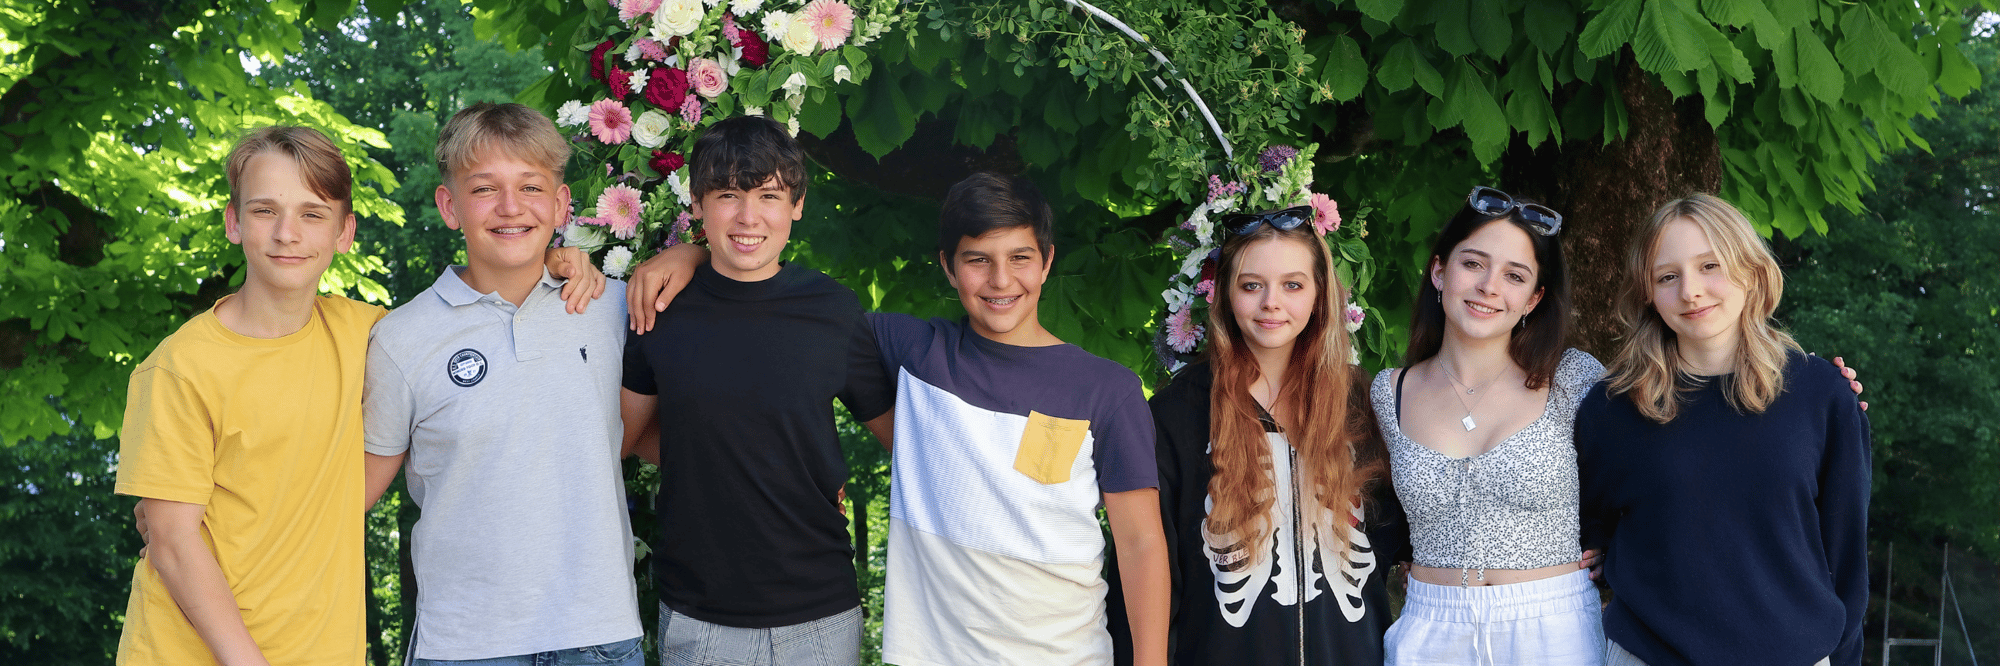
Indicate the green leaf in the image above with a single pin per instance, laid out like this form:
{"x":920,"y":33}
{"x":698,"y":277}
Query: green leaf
{"x":1056,"y":112}
{"x":1452,"y":27}
{"x":1784,"y":63}
{"x":1792,"y":14}
{"x":1346,"y":71}
{"x":1732,"y":13}
{"x":1770,"y":32}
{"x":1548,"y":23}
{"x":1666,"y":39}
{"x":1819,"y":73}
{"x":1727,"y":58}
{"x":1609,"y":29}
{"x":1399,"y":66}
{"x":820,"y":116}
{"x":1471,"y":103}
{"x":1427,"y":76}
{"x":1380,"y":10}
{"x":1861,"y":42}
{"x":1793,"y":107}
{"x":1958,"y":76}
{"x":1491,"y":28}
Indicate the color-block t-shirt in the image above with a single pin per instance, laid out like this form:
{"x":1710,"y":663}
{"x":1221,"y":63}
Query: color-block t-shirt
{"x":266,"y":433}
{"x":995,"y":551}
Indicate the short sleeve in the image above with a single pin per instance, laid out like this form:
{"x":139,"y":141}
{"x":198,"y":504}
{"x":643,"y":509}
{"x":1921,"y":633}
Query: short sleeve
{"x":167,"y":449}
{"x":387,"y":413}
{"x":868,"y":393}
{"x":1125,"y":449}
{"x":896,"y":334}
{"x":639,"y":373}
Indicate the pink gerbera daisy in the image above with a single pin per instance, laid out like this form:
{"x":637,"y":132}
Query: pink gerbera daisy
{"x":631,"y":9}
{"x":1326,"y":214}
{"x":831,"y":20}
{"x":619,"y":207}
{"x":610,"y":121}
{"x":1182,"y":333}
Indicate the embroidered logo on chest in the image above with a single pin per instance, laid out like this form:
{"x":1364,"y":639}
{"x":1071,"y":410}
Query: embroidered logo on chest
{"x":466,"y":368}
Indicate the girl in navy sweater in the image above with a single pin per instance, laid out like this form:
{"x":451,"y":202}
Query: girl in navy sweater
{"x":1725,"y":471}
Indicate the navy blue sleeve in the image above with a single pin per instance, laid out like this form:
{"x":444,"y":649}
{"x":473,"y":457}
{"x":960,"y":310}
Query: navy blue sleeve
{"x":868,"y":393}
{"x":1124,"y":451}
{"x":638,"y":373}
{"x":896,"y":336}
{"x":1844,"y":478}
{"x":1595,"y":517}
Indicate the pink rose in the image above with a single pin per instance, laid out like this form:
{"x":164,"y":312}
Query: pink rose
{"x":707,"y":78}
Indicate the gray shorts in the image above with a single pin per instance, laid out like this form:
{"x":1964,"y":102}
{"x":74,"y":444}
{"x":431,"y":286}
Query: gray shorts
{"x":834,"y":640}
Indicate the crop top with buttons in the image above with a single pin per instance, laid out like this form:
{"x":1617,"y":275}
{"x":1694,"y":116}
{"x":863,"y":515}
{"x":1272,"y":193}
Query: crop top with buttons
{"x":1512,"y":507}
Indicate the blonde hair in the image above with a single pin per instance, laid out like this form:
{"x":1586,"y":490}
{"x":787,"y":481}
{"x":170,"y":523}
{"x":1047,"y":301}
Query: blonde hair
{"x":1648,"y":366}
{"x":1335,"y":457}
{"x":320,"y":162}
{"x":518,"y":130}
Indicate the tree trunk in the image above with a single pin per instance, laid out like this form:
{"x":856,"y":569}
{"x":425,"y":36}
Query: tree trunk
{"x":1607,"y":192}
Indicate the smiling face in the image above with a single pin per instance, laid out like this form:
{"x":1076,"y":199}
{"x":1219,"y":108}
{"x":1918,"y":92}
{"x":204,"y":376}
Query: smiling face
{"x":999,"y":278}
{"x":507,"y":208}
{"x":1488,"y":283}
{"x":747,"y":229}
{"x":289,"y":233}
{"x":1273,"y":292}
{"x":1693,"y":291}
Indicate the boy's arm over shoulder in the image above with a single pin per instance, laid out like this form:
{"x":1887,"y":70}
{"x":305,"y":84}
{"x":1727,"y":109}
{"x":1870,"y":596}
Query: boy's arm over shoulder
{"x":868,"y":392}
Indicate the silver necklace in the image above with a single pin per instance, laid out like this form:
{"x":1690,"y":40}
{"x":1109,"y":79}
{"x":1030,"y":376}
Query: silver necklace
{"x":1467,"y":421}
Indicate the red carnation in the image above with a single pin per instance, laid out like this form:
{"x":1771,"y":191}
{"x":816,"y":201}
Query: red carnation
{"x":1207,"y":270}
{"x":621,"y":83}
{"x":667,"y":88}
{"x":665,"y":162}
{"x":755,"y":52}
{"x":597,"y":58}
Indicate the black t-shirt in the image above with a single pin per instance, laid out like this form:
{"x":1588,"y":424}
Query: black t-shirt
{"x":746,"y":373}
{"x":1217,"y":622}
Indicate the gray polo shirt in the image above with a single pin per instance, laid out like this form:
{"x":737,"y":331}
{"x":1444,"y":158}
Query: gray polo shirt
{"x":510,"y":418}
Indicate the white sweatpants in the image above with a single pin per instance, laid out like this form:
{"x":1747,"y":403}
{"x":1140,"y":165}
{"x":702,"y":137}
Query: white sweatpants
{"x":1554,"y":621}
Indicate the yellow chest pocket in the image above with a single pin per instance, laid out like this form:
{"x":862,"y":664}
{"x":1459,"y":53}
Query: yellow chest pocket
{"x":1049,"y":446}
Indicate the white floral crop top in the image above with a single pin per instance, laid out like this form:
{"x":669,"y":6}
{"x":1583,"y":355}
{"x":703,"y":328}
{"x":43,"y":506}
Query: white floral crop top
{"x":1512,"y":507}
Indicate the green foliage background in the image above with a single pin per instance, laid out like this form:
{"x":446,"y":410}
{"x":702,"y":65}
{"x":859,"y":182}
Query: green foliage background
{"x":1859,"y":132}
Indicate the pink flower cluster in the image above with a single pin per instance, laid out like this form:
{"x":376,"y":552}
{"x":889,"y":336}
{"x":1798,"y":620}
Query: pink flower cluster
{"x":1219,"y":190}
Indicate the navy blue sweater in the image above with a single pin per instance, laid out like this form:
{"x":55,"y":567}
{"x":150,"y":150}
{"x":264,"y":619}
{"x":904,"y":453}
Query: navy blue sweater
{"x":1732,"y":538}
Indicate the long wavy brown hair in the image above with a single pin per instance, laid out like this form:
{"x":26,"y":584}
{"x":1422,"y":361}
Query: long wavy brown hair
{"x":1331,"y":436}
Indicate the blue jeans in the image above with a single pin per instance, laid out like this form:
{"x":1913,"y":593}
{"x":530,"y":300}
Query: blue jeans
{"x":621,"y":653}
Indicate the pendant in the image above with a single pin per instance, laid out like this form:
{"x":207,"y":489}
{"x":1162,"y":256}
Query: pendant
{"x":1467,"y":422}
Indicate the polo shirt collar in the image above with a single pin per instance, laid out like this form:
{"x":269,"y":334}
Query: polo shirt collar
{"x":457,"y":293}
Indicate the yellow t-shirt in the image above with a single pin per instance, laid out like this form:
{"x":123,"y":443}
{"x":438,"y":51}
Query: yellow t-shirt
{"x":267,"y":435}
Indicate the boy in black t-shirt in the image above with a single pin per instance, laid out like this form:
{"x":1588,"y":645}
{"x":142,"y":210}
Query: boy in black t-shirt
{"x":753,"y":564}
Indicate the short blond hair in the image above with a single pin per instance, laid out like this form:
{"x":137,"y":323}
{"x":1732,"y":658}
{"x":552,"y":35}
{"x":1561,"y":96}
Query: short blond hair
{"x":1648,"y":365}
{"x":320,"y":162}
{"x":516,"y":129}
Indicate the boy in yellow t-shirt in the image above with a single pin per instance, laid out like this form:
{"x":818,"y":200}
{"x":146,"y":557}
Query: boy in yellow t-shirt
{"x":242,"y":437}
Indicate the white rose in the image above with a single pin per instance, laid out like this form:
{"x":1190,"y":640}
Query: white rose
{"x":841,"y":74}
{"x":676,"y":18}
{"x":775,"y":25}
{"x":745,"y":7}
{"x":799,"y":37}
{"x":618,"y":261}
{"x":573,"y":113}
{"x":650,"y":130}
{"x":795,"y":82}
{"x":585,"y":237}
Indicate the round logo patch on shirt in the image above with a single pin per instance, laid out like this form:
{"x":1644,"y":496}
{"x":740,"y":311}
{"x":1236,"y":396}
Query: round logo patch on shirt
{"x":467,"y":367}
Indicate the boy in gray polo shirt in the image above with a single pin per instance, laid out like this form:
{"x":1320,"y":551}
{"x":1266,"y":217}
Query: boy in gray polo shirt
{"x":506,"y":408}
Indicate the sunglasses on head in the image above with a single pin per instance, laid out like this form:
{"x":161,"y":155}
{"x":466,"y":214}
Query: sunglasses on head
{"x":1489,"y":201}
{"x":1242,"y":224}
